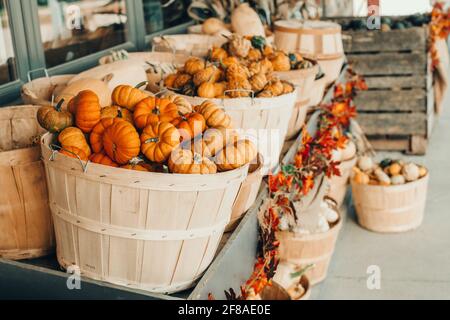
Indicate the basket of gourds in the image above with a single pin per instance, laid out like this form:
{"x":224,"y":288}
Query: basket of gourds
{"x":239,"y":77}
{"x":144,"y":187}
{"x":389,"y":196}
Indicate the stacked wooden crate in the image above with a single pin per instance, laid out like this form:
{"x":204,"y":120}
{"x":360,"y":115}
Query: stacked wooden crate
{"x":397,"y":111}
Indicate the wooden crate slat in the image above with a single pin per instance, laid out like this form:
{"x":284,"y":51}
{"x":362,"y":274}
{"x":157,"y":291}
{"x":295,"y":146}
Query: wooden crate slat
{"x":393,"y":123}
{"x":390,"y":82}
{"x":412,"y":39}
{"x":392,"y":100}
{"x":389,"y":63}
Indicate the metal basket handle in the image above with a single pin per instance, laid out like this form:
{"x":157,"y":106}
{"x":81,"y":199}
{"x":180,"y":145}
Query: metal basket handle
{"x":84,"y":166}
{"x":31,"y":72}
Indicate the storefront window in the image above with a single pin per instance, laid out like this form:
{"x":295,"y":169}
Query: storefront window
{"x":162,"y":14}
{"x":7,"y":60}
{"x":71,"y":29}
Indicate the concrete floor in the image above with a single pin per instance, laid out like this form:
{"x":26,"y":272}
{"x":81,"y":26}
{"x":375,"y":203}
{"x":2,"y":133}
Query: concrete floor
{"x":413,"y":265}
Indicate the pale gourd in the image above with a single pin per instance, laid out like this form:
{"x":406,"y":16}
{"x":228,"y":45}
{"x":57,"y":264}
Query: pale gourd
{"x":125,"y":72}
{"x":382,"y":177}
{"x":397,"y":180}
{"x":411,"y":172}
{"x":365,"y":163}
{"x":422,"y":171}
{"x":349,"y":151}
{"x":212,"y":26}
{"x":99,"y":87}
{"x":246,"y":22}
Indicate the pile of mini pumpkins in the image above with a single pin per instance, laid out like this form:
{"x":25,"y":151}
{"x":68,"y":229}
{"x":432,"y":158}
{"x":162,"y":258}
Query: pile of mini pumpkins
{"x":387,"y":172}
{"x":147,"y":133}
{"x":242,"y":67}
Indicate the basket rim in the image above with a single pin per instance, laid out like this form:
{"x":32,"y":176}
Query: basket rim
{"x":398,"y":187}
{"x":268,"y":103}
{"x":306,"y":71}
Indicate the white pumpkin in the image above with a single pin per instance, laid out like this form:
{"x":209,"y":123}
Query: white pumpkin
{"x":398,"y":179}
{"x":365,"y":163}
{"x":98,"y":86}
{"x":411,"y":172}
{"x":117,"y":73}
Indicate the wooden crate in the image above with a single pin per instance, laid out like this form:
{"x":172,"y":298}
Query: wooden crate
{"x":397,"y":110}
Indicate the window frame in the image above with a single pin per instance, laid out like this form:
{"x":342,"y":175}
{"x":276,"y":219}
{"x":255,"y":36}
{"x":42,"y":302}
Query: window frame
{"x":29,"y":49}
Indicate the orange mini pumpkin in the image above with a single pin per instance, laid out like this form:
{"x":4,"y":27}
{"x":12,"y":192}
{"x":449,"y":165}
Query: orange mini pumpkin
{"x":193,"y":65}
{"x":87,"y":110}
{"x":116,"y":112}
{"x":218,"y":54}
{"x":153,"y":110}
{"x":158,"y":140}
{"x":186,"y":162}
{"x":215,"y":117}
{"x":121,"y":141}
{"x":96,"y":137}
{"x":236,"y":155}
{"x":102,"y":158}
{"x":128,"y":97}
{"x":190,"y":125}
{"x":74,"y":137}
{"x":74,"y":152}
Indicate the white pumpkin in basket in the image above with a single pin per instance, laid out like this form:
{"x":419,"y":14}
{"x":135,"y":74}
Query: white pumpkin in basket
{"x":117,"y":73}
{"x":100,"y":87}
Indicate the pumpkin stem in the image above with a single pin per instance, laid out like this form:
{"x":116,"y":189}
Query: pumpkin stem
{"x":119,"y":113}
{"x":197,"y":158}
{"x":59,"y":105}
{"x":156,"y":111}
{"x":152,"y":140}
{"x":141,"y":84}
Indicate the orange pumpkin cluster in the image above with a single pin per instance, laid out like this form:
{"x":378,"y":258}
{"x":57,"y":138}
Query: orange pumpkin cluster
{"x":147,"y":133}
{"x":238,"y":69}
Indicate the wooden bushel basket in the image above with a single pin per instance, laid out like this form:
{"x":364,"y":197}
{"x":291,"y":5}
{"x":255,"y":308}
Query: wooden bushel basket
{"x":302,"y":79}
{"x":151,"y":231}
{"x":397,"y":208}
{"x":39,"y":92}
{"x":26,"y":229}
{"x":338,"y":185}
{"x":331,"y":67}
{"x":248,"y":193}
{"x":316,"y":249}
{"x":189,"y":44}
{"x":255,"y":114}
{"x":322,"y":39}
